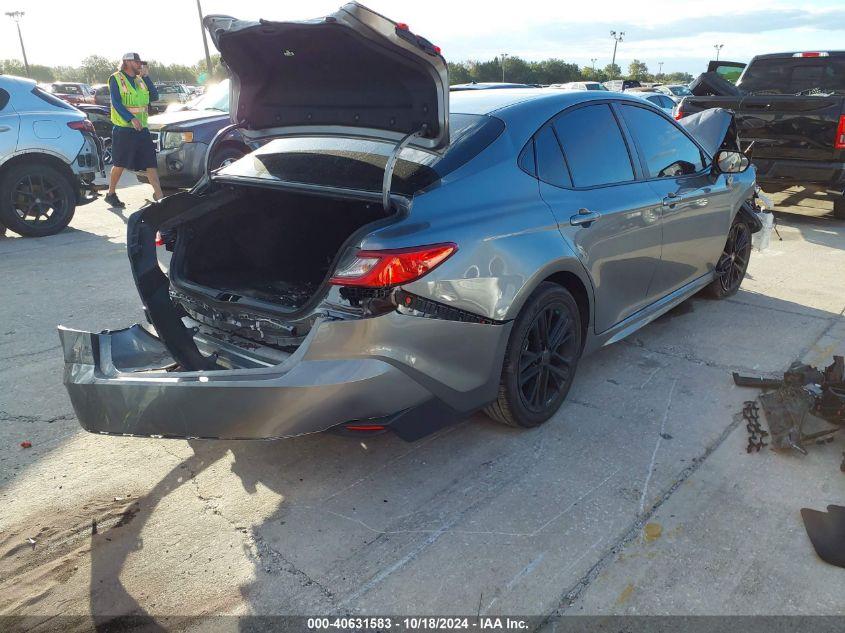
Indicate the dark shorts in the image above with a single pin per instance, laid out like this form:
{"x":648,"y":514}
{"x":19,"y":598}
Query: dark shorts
{"x":132,"y":149}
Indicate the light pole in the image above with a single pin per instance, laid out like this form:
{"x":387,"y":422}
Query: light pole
{"x":503,"y":66}
{"x":617,"y":37}
{"x":16,"y":16}
{"x":718,"y":48}
{"x":593,"y":60}
{"x":205,"y":44}
{"x":659,"y":69}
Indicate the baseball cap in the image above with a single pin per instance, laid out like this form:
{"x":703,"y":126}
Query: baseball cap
{"x":132,"y":57}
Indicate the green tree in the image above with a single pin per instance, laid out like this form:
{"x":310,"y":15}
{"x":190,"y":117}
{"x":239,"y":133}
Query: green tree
{"x":458,"y":73}
{"x":612,"y":71}
{"x":96,"y":69}
{"x":637,"y":70}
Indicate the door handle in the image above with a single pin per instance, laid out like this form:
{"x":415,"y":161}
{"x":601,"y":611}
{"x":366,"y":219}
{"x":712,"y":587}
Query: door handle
{"x":4,"y":128}
{"x":585,"y":217}
{"x":670,"y":200}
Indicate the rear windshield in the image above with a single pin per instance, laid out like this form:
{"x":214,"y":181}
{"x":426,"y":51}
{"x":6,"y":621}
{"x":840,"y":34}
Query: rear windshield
{"x":794,"y":75}
{"x":359,"y":164}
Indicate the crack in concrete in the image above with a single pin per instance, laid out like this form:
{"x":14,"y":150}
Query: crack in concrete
{"x":571,"y":596}
{"x":28,"y":354}
{"x":781,"y":310}
{"x":5,"y":416}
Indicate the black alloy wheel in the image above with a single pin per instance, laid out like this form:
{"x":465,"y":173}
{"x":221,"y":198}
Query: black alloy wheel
{"x":540,"y":360}
{"x":38,"y":200}
{"x":730,"y":270}
{"x":547,"y":358}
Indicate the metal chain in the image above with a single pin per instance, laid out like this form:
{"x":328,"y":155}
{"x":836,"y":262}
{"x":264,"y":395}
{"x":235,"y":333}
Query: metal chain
{"x":756,"y":434}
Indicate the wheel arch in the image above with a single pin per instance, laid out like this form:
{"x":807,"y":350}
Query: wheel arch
{"x":39,"y":158}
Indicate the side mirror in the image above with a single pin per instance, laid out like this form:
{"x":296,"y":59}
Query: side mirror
{"x":731,"y":162}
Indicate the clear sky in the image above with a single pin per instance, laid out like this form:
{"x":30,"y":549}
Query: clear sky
{"x":679,"y":33}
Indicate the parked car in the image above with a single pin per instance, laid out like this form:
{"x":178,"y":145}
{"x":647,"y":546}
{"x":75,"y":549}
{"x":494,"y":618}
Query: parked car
{"x":488,"y":85}
{"x":667,"y":104}
{"x":167,"y":94}
{"x":621,"y":85}
{"x":400,"y":260}
{"x":579,"y":85}
{"x":49,"y":156}
{"x":73,"y":93}
{"x":791,"y":107}
{"x":102,"y":96}
{"x":675,"y":91}
{"x":182,"y":139}
{"x":100,"y":117}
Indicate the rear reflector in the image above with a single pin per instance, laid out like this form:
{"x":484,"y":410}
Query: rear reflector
{"x":159,"y":239}
{"x":811,"y":54}
{"x":365,"y":428}
{"x":379,"y":269}
{"x":839,"y":143}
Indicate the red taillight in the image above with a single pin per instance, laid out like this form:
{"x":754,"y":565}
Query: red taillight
{"x":83,"y":126}
{"x":839,"y":143}
{"x":402,"y":26}
{"x":811,"y":54}
{"x":378,"y":269}
{"x":159,"y":239}
{"x":679,"y":114}
{"x":365,"y":428}
{"x":437,"y":49}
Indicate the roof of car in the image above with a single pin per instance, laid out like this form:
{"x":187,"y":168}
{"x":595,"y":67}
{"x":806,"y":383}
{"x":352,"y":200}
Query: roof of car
{"x":13,"y":81}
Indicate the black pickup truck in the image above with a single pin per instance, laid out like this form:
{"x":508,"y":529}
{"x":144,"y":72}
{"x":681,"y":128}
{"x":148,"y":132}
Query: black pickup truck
{"x":791,"y":106}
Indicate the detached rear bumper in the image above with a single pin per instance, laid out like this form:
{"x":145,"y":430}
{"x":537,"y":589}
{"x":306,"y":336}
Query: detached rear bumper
{"x":344,"y":371}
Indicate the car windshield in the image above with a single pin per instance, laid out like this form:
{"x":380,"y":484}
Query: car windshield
{"x":595,"y":87}
{"x":680,"y":91}
{"x":167,"y":90}
{"x":359,"y":163}
{"x":215,"y":98}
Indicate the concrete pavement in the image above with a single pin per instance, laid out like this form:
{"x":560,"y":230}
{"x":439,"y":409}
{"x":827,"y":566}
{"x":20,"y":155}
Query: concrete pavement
{"x":637,"y":498}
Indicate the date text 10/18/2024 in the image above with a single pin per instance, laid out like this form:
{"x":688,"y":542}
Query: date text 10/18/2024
{"x":417,"y":623}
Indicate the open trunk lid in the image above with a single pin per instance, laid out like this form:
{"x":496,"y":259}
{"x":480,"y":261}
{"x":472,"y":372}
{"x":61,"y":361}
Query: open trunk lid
{"x":351,"y":73}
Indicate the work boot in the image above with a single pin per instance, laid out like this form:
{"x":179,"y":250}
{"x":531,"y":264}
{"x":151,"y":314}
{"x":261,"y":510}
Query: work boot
{"x":113,"y":201}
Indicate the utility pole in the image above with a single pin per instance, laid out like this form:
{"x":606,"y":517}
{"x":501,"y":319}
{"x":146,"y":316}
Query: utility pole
{"x":718,"y":48}
{"x":205,"y":44}
{"x":16,"y":16}
{"x":503,"y":66}
{"x":617,"y":37}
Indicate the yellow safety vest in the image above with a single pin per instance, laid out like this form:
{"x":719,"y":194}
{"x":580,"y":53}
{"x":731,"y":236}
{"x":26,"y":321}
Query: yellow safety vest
{"x":135,"y":97}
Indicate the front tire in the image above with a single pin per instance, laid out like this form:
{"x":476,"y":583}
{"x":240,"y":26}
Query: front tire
{"x":732,"y":265}
{"x":540,"y":359}
{"x":226,"y":156}
{"x":36,"y":200}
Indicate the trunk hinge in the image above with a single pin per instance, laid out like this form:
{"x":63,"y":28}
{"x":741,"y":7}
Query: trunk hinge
{"x":391,"y":165}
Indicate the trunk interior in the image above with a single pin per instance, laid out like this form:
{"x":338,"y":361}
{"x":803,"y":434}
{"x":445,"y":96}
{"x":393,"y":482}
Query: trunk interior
{"x":271,"y":245}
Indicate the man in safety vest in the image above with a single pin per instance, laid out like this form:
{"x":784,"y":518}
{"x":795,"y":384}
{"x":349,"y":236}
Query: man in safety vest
{"x":131,"y":91}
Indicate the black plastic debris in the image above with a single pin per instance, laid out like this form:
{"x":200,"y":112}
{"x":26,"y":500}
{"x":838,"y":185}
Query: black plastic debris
{"x":827,"y":533}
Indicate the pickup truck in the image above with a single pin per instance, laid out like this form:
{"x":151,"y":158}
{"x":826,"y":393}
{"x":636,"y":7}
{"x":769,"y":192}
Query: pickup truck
{"x":791,"y":106}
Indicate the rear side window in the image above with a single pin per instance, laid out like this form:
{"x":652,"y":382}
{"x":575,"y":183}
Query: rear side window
{"x":551,"y":167}
{"x":526,"y":159}
{"x":594,"y":147}
{"x":4,"y":98}
{"x":52,"y":100}
{"x":667,"y":151}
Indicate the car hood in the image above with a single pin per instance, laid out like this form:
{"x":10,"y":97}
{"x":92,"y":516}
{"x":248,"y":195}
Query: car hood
{"x":713,"y":129}
{"x":352,"y":73}
{"x":183,"y":116}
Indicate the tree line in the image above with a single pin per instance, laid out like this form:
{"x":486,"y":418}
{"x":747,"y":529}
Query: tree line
{"x":96,"y":69}
{"x":552,"y":71}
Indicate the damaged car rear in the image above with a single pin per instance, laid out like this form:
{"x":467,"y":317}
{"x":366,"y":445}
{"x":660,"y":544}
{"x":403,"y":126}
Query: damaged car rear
{"x":386,"y":261}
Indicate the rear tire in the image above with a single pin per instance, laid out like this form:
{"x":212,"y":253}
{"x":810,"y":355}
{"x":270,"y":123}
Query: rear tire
{"x":839,"y":207}
{"x":226,"y":156}
{"x":36,"y":200}
{"x":733,"y":263}
{"x":540,"y":359}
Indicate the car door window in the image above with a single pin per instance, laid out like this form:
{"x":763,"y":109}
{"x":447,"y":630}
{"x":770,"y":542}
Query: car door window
{"x":4,"y":98}
{"x":667,"y":151}
{"x":666,"y":102}
{"x":551,"y":167}
{"x":594,"y":147}
{"x":526,"y":159}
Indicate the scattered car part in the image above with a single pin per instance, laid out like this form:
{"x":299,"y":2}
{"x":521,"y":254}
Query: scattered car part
{"x":756,"y":434}
{"x":803,"y":390}
{"x":827,"y":533}
{"x":710,"y":84}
